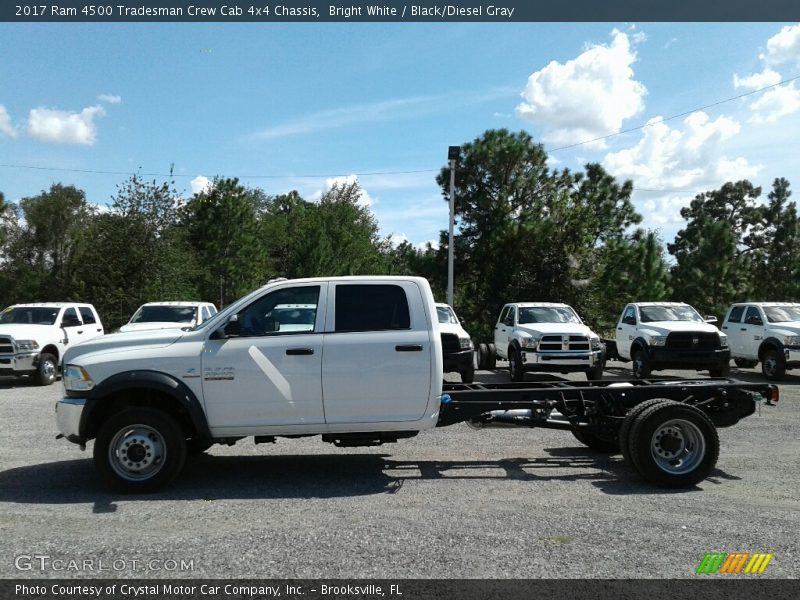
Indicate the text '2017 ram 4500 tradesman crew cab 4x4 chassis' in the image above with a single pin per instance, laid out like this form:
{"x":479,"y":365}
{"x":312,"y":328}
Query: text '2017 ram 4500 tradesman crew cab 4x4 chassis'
{"x":360,"y":365}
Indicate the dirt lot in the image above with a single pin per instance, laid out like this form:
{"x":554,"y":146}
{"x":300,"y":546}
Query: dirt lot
{"x":451,"y":503}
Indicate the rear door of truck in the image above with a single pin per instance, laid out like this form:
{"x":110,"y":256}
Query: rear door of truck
{"x":377,"y":352}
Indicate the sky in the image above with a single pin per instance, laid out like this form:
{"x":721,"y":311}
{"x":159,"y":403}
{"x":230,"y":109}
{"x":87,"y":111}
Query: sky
{"x":301,"y":106}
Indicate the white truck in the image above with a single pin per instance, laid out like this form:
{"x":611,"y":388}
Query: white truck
{"x":33,"y":337}
{"x":365,"y":368}
{"x":669,"y":335}
{"x":166,"y":315}
{"x":457,"y":350}
{"x":765,"y":332}
{"x":547,"y":337}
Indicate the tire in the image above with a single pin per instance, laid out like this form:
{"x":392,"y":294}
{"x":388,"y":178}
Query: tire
{"x":744,"y":363}
{"x":597,"y":441}
{"x":594,"y":374}
{"x":47,"y":370}
{"x":773,"y":365}
{"x":720,"y":371}
{"x":674,"y":445}
{"x":641,"y":366}
{"x":130,"y":431}
{"x":482,"y":351}
{"x":515,"y":365}
{"x":627,"y":423}
{"x":468,"y":376}
{"x":491,"y":357}
{"x":197,"y":447}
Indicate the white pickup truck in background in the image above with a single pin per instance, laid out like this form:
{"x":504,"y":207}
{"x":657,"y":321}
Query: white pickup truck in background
{"x":167,"y":315}
{"x":766,"y":332}
{"x":33,"y":337}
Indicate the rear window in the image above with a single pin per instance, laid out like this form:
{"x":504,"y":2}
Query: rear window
{"x":371,"y":308}
{"x":86,"y":313}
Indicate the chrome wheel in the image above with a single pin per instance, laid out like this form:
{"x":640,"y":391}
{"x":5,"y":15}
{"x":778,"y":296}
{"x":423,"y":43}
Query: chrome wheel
{"x":137,"y":452}
{"x":678,"y":446}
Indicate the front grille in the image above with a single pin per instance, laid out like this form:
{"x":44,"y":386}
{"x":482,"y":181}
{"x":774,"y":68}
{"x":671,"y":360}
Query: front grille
{"x":450,"y":344}
{"x":555,"y":343}
{"x":6,"y":345}
{"x":688,"y":340}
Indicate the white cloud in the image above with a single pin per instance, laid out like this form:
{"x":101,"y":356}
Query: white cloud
{"x":364,"y":199}
{"x":110,"y":99}
{"x":784,"y":46}
{"x":757,"y":80}
{"x":395,"y":239}
{"x":775,"y":104}
{"x":200,"y":184}
{"x":586,"y":97}
{"x":670,"y":42}
{"x":6,"y":128}
{"x":64,"y":127}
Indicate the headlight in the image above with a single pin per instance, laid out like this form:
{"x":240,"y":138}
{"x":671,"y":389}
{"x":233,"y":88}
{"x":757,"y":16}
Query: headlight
{"x":791,"y":340}
{"x":27,"y":345}
{"x":465,"y":343}
{"x":723,"y":340}
{"x":595,"y":342}
{"x":529,"y":342}
{"x":76,"y":379}
{"x":657,"y":340}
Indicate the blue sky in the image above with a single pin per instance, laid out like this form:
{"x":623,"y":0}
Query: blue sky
{"x":343,"y":99}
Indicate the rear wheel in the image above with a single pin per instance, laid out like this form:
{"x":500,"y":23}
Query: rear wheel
{"x":641,"y":366}
{"x":139,"y":450}
{"x":482,"y":350}
{"x":627,"y":424}
{"x":744,"y":363}
{"x":600,"y":442}
{"x":515,"y":365}
{"x":468,"y":375}
{"x":595,"y":374}
{"x":674,"y":445}
{"x":720,"y":371}
{"x":773,"y":365}
{"x":491,"y":357}
{"x":47,"y":369}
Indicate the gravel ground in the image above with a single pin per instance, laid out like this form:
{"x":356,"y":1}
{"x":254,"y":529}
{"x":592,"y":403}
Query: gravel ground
{"x":451,"y":503}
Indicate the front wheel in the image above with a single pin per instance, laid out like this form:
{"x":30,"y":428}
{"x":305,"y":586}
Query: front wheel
{"x":773,"y":366}
{"x":641,"y":366}
{"x":674,"y":445}
{"x":515,"y":365}
{"x":139,"y":450}
{"x":47,"y":369}
{"x":595,"y":374}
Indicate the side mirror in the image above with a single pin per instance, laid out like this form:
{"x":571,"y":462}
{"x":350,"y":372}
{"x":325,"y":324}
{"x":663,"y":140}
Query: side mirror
{"x":230,"y":329}
{"x":629,"y":320}
{"x":711,"y":319}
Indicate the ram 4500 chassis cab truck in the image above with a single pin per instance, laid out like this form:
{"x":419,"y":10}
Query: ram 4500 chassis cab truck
{"x":359,"y":363}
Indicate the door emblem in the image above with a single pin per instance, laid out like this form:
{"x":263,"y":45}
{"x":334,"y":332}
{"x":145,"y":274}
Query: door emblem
{"x":191,"y":374}
{"x":219,"y":374}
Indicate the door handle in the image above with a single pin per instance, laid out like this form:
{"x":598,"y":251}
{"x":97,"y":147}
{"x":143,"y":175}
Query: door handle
{"x":724,"y":326}
{"x":80,"y":332}
{"x":619,"y":328}
{"x":409,"y":348}
{"x":99,"y":330}
{"x":299,"y":351}
{"x":743,"y":329}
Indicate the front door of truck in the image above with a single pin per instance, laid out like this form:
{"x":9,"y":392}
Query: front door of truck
{"x":265,"y":368}
{"x":752,"y":331}
{"x":503,"y":329}
{"x":735,"y":329}
{"x":626,"y":331}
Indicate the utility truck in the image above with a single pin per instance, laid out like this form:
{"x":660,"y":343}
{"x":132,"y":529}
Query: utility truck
{"x":363,"y":368}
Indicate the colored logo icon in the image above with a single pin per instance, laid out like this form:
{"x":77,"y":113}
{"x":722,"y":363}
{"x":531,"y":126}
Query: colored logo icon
{"x":735,"y":563}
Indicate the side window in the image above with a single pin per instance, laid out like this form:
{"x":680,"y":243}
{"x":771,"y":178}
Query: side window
{"x":752,"y":317}
{"x":736,"y":314}
{"x":205,"y":313}
{"x":70,"y":318}
{"x":503,"y":314}
{"x":629,"y":316}
{"x":512,"y":312}
{"x":87,"y":315}
{"x":371,"y":308}
{"x":286,"y":311}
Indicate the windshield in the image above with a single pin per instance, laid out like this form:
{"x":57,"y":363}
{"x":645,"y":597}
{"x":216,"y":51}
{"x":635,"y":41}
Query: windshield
{"x":782,"y":314}
{"x":669,"y":313}
{"x":547,"y":314}
{"x":29,"y":315}
{"x":446,"y":315}
{"x":165,"y":314}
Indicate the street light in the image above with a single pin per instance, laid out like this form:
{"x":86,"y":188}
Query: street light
{"x":453,"y":152}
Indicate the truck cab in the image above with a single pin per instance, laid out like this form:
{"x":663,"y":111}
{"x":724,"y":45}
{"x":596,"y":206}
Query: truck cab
{"x":547,"y":337}
{"x":457,"y":348}
{"x":670,"y":335}
{"x":765,"y":332}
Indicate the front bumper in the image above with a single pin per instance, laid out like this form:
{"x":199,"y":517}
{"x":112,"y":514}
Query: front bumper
{"x":662,"y":358}
{"x":17,"y":364}
{"x":458,"y":361}
{"x":562,"y":361}
{"x":68,"y":418}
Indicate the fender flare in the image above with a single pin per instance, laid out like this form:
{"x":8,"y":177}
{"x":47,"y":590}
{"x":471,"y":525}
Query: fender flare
{"x":770,"y":342}
{"x":150,"y":380}
{"x":640,"y":341}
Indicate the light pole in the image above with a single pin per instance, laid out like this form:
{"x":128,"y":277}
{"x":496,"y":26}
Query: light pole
{"x":453,"y":152}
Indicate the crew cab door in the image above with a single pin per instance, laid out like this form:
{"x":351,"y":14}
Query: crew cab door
{"x":504,"y":329}
{"x":752,"y":332}
{"x":71,"y":324}
{"x":626,"y":331}
{"x":265,"y":369}
{"x":92,"y":325}
{"x":736,"y":330}
{"x":378,"y":353}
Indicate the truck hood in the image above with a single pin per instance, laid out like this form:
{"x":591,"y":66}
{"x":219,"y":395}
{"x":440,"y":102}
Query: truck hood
{"x":122,"y":342}
{"x":452,"y":328}
{"x":788,"y":328}
{"x":546,"y":328}
{"x":29,"y":332}
{"x":152,"y":325}
{"x":667,"y":327}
